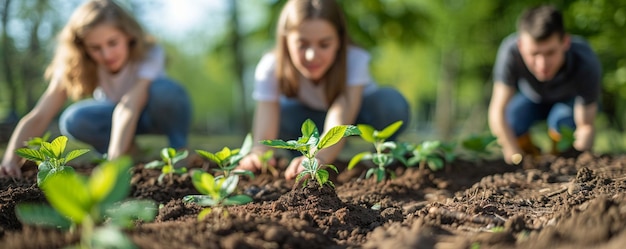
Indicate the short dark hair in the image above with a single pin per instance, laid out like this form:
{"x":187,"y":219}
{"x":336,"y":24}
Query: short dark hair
{"x":541,"y":22}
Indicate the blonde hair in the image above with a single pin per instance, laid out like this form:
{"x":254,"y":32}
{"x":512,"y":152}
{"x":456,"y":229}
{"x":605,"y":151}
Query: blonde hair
{"x":71,"y":63}
{"x":294,"y":13}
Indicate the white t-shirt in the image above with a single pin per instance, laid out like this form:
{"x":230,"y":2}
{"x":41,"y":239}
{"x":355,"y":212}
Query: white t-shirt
{"x":113,"y":86}
{"x":266,"y":85}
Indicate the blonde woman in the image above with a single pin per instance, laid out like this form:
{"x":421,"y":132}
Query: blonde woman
{"x":106,"y":63}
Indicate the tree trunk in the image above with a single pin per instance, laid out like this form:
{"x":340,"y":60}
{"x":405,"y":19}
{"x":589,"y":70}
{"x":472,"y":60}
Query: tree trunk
{"x":238,"y":64}
{"x":8,"y":49}
{"x":444,"y":110}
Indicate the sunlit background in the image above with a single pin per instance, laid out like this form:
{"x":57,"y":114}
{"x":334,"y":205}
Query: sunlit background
{"x":438,"y":53}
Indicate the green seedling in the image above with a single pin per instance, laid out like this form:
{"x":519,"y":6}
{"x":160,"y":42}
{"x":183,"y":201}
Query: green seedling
{"x":478,"y":145}
{"x":386,"y":151}
{"x":265,"y":163}
{"x":567,"y":139}
{"x":433,"y":154}
{"x":89,"y":203}
{"x":35,"y":142}
{"x":228,"y":159}
{"x":309,"y":144}
{"x":169,"y":157}
{"x":50,"y":156}
{"x":215,"y":191}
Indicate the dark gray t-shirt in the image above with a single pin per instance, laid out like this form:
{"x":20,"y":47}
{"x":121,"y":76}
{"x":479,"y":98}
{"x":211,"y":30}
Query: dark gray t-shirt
{"x":580,"y":77}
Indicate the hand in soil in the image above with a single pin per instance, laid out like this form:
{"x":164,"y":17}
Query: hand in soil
{"x":295,"y":167}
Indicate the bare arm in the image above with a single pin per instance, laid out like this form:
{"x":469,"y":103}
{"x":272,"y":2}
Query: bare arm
{"x":32,"y":125}
{"x":584,"y":116}
{"x":265,"y":127}
{"x":342,"y":112}
{"x":500,"y":97}
{"x":125,"y":117}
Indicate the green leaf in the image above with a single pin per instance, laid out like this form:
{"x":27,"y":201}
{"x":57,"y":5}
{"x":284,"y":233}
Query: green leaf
{"x":389,"y":130}
{"x":322,"y":176}
{"x":237,"y":200}
{"x":380,"y":174}
{"x":333,"y":168}
{"x":74,"y":154}
{"x":244,"y":172}
{"x":167,"y":169}
{"x":280,"y":144}
{"x":110,"y":181}
{"x":46,"y":149}
{"x":229,"y":185}
{"x":367,"y":132}
{"x":69,"y":195}
{"x":202,"y":181}
{"x":31,"y":154}
{"x":58,"y":146}
{"x":369,"y":172}
{"x":351,"y":130}
{"x":42,"y":174}
{"x":435,"y":163}
{"x":210,"y":156}
{"x":180,"y":156}
{"x":41,"y":215}
{"x":357,"y":158}
{"x":125,"y":213}
{"x":308,"y":128}
{"x":204,"y":213}
{"x":111,"y":237}
{"x":332,"y":137}
{"x":224,"y":154}
{"x":202,"y":200}
{"x":154,"y":164}
{"x":246,"y":147}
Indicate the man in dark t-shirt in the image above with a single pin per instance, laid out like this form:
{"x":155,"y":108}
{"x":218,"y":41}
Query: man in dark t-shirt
{"x":543,"y":73}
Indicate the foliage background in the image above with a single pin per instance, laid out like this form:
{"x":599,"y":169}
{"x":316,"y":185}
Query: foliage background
{"x":438,"y":53}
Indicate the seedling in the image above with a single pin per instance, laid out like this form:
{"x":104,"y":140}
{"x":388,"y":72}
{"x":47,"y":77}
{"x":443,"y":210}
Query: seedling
{"x":309,"y":144}
{"x":567,"y":139}
{"x":265,"y":163}
{"x":88,"y":203}
{"x":433,"y":154}
{"x":385,"y":153}
{"x":50,"y":156}
{"x":169,"y":157}
{"x":35,"y":142}
{"x":216,"y":191}
{"x":479,"y":145}
{"x":227,"y":159}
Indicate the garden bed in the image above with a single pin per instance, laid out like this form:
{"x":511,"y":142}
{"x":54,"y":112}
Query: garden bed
{"x":550,"y":203}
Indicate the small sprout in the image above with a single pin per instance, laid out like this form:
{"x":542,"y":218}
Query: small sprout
{"x":386,"y":152}
{"x":309,"y":144}
{"x":566,"y":140}
{"x":265,"y":163}
{"x":169,"y":157}
{"x":89,"y":203}
{"x":50,"y":156}
{"x":227,"y":159}
{"x":478,"y":145}
{"x":215,"y":191}
{"x":433,"y":154}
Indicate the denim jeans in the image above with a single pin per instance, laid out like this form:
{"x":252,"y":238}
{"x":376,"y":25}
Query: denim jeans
{"x":167,"y":111}
{"x":378,"y":109}
{"x":522,"y":113}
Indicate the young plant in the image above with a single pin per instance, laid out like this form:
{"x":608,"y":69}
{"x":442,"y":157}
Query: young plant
{"x":169,"y":157}
{"x":385,"y":153}
{"x":433,"y":154}
{"x":88,"y":203}
{"x":566,"y":141}
{"x":309,"y":144}
{"x":50,"y":156}
{"x":478,"y":145}
{"x":35,"y":142}
{"x":227,"y":159}
{"x":265,"y":163}
{"x":215,"y":191}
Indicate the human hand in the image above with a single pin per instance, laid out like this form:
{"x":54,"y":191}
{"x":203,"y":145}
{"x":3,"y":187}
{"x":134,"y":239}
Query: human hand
{"x":10,"y":170}
{"x":512,"y":156}
{"x":252,"y":162}
{"x":294,"y":168}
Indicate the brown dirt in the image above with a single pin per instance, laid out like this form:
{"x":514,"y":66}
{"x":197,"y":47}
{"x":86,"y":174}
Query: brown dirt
{"x":547,"y":203}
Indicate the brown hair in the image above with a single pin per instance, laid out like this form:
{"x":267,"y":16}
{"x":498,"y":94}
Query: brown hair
{"x":71,"y":63}
{"x":294,"y":13}
{"x":541,"y":22}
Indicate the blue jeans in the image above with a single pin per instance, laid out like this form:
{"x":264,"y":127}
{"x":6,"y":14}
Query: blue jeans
{"x":378,"y":109}
{"x":167,"y":111}
{"x":522,"y":113}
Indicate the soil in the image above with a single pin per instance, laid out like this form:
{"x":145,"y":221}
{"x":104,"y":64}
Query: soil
{"x":548,"y":202}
